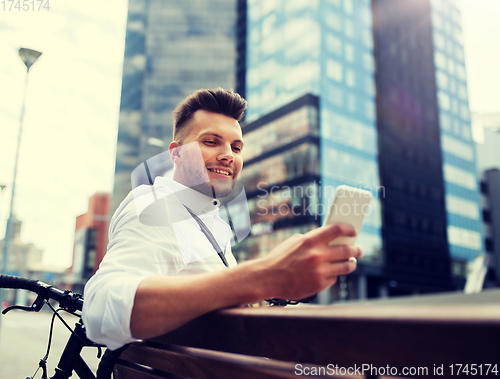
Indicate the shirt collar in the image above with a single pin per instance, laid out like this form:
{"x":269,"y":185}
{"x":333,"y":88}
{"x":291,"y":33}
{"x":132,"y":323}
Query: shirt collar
{"x":194,"y":200}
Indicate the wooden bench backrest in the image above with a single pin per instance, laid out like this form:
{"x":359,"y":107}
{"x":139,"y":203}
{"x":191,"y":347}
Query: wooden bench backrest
{"x":269,"y":342}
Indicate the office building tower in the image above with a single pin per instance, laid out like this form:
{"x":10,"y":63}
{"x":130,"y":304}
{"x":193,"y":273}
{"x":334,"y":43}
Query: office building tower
{"x":484,"y":120}
{"x":325,"y":49}
{"x":411,"y":167}
{"x":462,"y":192}
{"x":172,"y":48}
{"x":407,"y":137}
{"x":91,"y":238}
{"x":490,"y":188}
{"x":488,"y":165}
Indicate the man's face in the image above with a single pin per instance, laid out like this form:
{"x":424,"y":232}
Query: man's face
{"x":220,"y":141}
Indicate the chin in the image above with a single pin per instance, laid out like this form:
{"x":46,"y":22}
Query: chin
{"x":223,"y":190}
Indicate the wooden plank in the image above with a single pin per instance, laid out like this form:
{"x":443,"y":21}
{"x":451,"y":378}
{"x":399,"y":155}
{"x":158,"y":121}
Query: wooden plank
{"x":125,"y":372}
{"x":202,"y":364}
{"x":398,"y":336}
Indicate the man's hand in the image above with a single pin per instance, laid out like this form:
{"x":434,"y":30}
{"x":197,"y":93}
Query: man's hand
{"x":304,"y":264}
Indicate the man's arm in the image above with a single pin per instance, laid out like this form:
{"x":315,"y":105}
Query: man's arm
{"x":299,"y":267}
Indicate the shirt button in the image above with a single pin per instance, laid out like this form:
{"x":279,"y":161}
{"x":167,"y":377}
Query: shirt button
{"x":216,"y":202}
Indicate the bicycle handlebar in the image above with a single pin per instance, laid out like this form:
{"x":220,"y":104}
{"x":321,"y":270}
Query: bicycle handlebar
{"x":67,"y":299}
{"x":7,"y":281}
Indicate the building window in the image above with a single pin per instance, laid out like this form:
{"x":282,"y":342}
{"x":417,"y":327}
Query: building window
{"x":444,"y":100}
{"x":349,"y":29}
{"x":454,"y":107}
{"x":368,"y":38}
{"x":459,"y":269}
{"x":368,"y":62}
{"x":461,"y":72}
{"x":453,"y":86}
{"x":442,"y":80}
{"x":336,"y":3}
{"x":350,"y":78}
{"x":459,"y":177}
{"x":349,"y":132}
{"x":464,"y":238}
{"x":459,"y":53}
{"x":457,"y":148}
{"x":334,"y":44}
{"x":335,"y":95}
{"x":462,"y":92}
{"x":349,"y":52}
{"x":440,"y":60}
{"x":439,"y":40}
{"x":351,"y":103}
{"x":370,"y":110}
{"x":451,"y":66}
{"x":466,"y":132}
{"x":437,"y":21}
{"x":445,"y":121}
{"x":348,"y":7}
{"x":334,"y":21}
{"x":334,"y":70}
{"x":462,"y":207}
{"x":464,"y":112}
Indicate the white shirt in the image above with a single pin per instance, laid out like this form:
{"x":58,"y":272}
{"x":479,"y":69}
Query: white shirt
{"x":150,"y":234}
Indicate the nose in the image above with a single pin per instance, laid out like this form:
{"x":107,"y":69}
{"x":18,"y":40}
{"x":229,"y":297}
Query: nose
{"x":226,"y":154}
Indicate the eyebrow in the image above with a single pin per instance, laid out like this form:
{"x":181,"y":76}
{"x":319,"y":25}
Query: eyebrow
{"x":219,"y":136}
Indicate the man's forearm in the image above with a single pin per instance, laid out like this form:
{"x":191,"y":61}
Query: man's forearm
{"x":163,"y":304}
{"x":298,"y":267}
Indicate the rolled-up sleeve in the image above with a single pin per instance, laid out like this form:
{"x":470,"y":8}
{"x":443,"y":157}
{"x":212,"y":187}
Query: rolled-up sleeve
{"x":135,"y":251}
{"x":107,"y":309}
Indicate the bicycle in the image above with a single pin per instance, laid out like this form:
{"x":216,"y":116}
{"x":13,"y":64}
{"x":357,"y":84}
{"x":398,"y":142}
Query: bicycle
{"x":70,"y":302}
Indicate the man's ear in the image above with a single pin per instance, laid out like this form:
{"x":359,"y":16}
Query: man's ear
{"x":174,"y":152}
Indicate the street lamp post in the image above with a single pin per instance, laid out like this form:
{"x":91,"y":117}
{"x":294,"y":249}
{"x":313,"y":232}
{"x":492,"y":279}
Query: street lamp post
{"x":29,"y":57}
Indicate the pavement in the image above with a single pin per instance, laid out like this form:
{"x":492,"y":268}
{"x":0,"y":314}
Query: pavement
{"x":23,"y":342}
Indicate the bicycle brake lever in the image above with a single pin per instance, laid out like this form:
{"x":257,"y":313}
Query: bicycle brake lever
{"x":35,"y":307}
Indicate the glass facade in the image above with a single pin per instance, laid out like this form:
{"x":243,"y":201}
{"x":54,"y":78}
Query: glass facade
{"x":283,"y":54}
{"x":281,"y":175}
{"x":324,"y":48}
{"x":465,"y":234}
{"x":172,"y":48}
{"x":410,"y":153}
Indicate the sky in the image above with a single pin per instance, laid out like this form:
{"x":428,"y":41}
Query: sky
{"x":69,"y":132}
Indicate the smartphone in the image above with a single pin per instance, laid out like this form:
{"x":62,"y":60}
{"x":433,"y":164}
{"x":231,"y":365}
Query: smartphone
{"x":350,"y":205}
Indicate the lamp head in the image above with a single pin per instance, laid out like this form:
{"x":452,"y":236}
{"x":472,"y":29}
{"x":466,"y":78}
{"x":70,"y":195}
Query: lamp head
{"x":29,"y":56}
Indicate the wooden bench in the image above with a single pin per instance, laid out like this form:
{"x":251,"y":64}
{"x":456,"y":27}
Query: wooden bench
{"x":421,"y":334}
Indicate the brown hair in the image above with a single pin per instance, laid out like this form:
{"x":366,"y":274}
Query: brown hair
{"x":225,"y":102}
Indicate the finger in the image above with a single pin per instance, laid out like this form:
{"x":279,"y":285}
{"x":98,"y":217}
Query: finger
{"x":341,"y":253}
{"x":342,"y":268}
{"x":328,"y":233}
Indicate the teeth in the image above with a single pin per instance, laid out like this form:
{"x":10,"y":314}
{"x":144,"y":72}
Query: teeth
{"x":220,"y":172}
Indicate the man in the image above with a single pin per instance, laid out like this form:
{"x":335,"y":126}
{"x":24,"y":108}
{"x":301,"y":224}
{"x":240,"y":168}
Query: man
{"x":142,"y":289}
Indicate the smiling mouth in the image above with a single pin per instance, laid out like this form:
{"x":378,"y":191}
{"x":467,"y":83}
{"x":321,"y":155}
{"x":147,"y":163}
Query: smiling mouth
{"x":220,"y":172}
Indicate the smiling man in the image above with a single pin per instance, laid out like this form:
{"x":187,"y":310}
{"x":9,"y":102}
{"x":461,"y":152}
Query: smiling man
{"x":171,"y":261}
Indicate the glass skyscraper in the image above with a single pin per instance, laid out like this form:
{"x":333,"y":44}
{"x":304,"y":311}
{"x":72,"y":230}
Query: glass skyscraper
{"x":392,"y":117}
{"x":322,"y":48}
{"x":463,"y":206}
{"x":172,"y":48}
